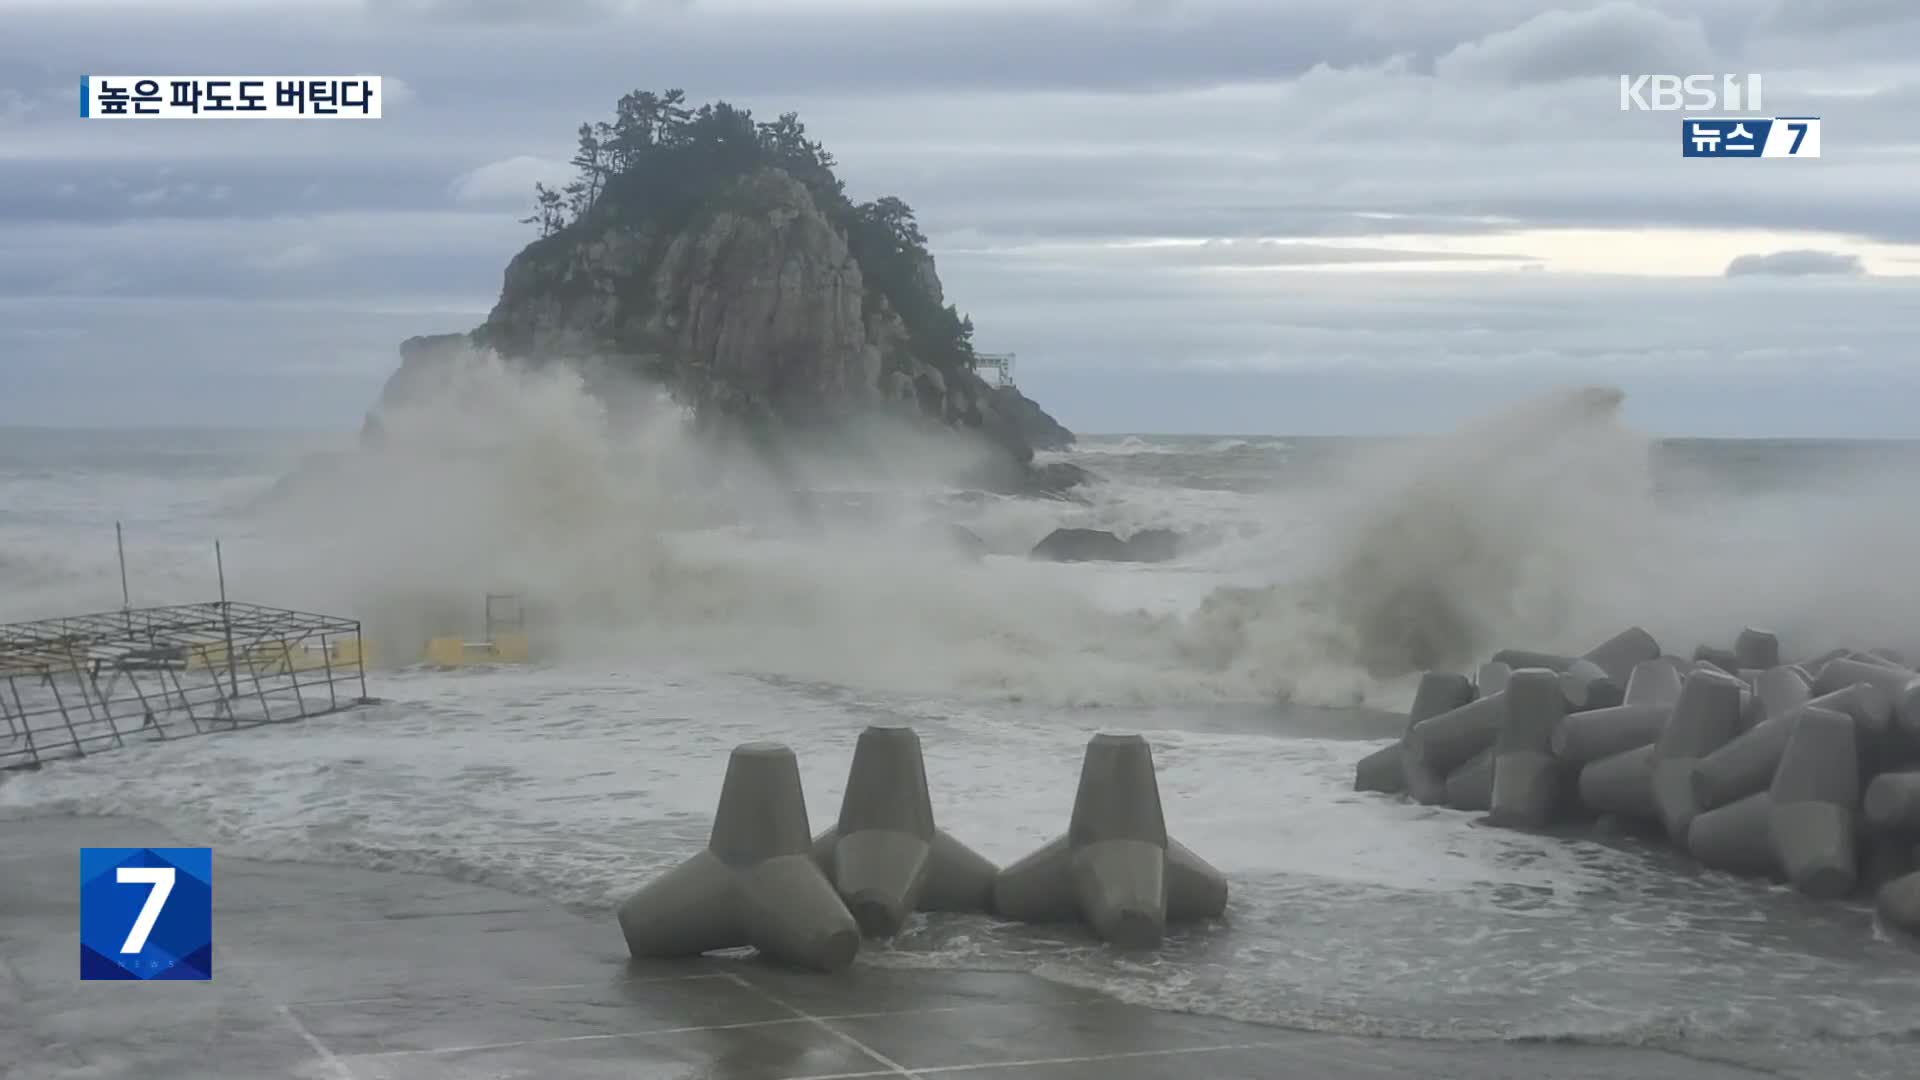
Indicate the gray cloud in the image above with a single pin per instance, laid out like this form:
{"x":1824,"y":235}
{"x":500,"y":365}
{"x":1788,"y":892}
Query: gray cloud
{"x":518,"y":11}
{"x":1798,"y":16}
{"x":1113,"y":348}
{"x":1612,"y":39}
{"x":1797,"y":263}
{"x":1029,"y":142}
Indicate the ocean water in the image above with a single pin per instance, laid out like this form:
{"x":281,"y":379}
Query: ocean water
{"x":684,"y":599}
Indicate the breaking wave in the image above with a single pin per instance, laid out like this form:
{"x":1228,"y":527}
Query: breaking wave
{"x":629,"y":531}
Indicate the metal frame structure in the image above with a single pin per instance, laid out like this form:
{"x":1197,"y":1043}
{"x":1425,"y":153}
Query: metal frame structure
{"x":73,"y":686}
{"x":1000,"y":363}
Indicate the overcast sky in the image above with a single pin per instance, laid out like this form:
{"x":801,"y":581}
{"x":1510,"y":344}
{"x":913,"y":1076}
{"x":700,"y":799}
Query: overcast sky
{"x":1226,"y":216}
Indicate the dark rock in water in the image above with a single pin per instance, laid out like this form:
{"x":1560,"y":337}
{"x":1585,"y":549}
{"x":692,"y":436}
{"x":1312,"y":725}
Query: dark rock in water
{"x":1153,"y":545}
{"x":1042,"y":432}
{"x":966,"y":541}
{"x":1081,"y":545}
{"x":1099,"y":545}
{"x":1056,"y":477}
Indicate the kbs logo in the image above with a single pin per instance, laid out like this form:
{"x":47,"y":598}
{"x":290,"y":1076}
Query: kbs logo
{"x":1690,"y":93}
{"x":146,"y":913}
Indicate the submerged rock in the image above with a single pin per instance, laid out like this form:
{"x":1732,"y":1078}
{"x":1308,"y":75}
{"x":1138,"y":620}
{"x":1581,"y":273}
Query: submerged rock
{"x":1099,"y":545}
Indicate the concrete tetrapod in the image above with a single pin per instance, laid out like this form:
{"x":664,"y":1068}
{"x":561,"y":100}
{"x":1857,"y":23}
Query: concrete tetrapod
{"x":1439,"y":692}
{"x":1717,"y":658}
{"x":1438,"y":745}
{"x":1490,"y":679}
{"x":884,"y":856}
{"x":1470,"y":787}
{"x":1883,"y":857}
{"x":1621,"y":785}
{"x":1526,"y":778}
{"x":1381,"y":771}
{"x":1899,"y":903}
{"x":1653,"y":682}
{"x":1737,"y":837}
{"x":1744,"y":765}
{"x":1517,"y":659}
{"x":1780,"y":690}
{"x":1384,"y":770}
{"x":1815,"y":792}
{"x":1585,"y":737}
{"x":1897,"y":684}
{"x":755,"y":884}
{"x":1585,"y":686}
{"x":1115,"y":869}
{"x":1747,"y":764}
{"x":1706,"y":717}
{"x":1618,"y":654}
{"x":1756,"y":648}
{"x":1893,"y":802}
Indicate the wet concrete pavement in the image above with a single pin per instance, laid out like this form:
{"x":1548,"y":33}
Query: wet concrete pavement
{"x":339,"y":974}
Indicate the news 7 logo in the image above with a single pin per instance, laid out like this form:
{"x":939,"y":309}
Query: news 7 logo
{"x":1750,"y":136}
{"x":146,"y":913}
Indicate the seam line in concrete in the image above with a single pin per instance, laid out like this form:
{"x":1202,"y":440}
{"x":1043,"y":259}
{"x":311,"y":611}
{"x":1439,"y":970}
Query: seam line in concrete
{"x":646,"y":1033}
{"x":327,"y":1057}
{"x":516,"y":1044}
{"x":1172,"y":1051}
{"x":233,"y":961}
{"x":650,"y":979}
{"x":893,"y":1068}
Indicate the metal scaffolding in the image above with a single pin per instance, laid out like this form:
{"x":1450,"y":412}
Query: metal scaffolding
{"x":73,"y":686}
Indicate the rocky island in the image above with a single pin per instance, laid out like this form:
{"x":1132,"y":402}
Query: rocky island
{"x":721,"y":259}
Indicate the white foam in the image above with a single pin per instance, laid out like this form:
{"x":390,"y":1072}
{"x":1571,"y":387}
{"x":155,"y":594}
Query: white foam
{"x":1349,"y":912}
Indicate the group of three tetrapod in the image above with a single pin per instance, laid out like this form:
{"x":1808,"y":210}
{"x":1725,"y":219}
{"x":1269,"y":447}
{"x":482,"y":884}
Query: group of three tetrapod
{"x":765,"y":881}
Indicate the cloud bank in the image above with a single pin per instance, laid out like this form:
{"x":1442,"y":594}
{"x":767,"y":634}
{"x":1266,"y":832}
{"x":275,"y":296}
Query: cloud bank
{"x":1112,"y":188}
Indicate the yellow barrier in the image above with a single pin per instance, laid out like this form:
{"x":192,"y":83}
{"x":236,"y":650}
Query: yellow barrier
{"x":458,"y":652}
{"x":276,"y":657}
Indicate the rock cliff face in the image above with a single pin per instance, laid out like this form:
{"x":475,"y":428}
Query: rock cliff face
{"x":751,"y":306}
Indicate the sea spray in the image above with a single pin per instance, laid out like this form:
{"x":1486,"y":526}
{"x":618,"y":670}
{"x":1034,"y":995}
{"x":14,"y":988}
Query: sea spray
{"x":631,"y":532}
{"x":1436,"y":550}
